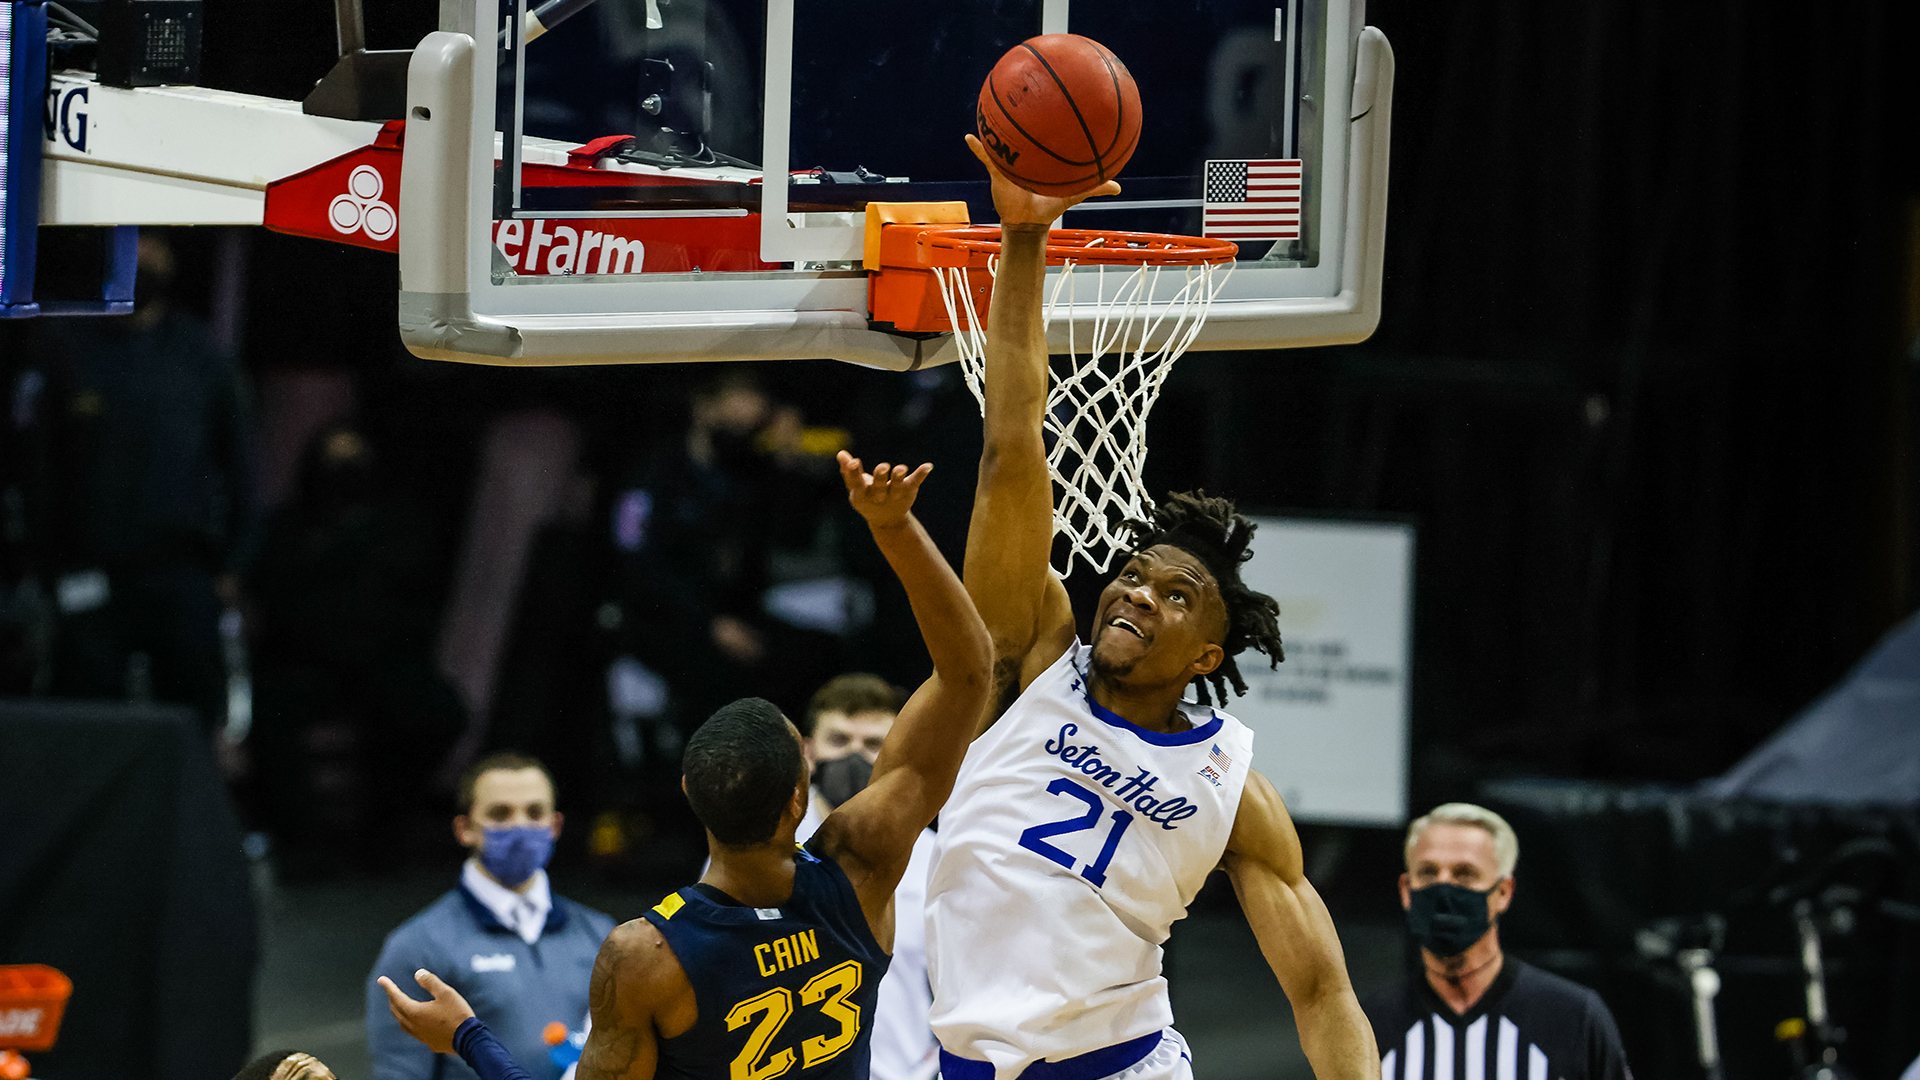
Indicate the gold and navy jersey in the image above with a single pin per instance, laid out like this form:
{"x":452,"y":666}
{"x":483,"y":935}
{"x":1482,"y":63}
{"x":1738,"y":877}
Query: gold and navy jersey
{"x":783,"y":993}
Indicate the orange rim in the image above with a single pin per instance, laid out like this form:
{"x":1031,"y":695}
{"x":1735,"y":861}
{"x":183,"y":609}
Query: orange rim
{"x":1092,"y":246}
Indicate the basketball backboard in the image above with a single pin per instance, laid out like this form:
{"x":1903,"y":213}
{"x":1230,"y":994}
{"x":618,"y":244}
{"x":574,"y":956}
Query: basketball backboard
{"x":731,"y":224}
{"x":98,"y":263}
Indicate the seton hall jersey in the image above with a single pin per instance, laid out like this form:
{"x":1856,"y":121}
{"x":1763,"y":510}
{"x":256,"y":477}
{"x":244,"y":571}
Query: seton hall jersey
{"x":1072,"y":842}
{"x":783,"y":993}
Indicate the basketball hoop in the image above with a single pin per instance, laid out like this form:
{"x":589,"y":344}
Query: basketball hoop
{"x":1150,"y":294}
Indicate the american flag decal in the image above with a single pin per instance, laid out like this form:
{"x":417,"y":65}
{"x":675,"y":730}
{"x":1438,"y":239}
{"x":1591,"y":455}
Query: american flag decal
{"x":1252,"y":200}
{"x":1219,"y":758}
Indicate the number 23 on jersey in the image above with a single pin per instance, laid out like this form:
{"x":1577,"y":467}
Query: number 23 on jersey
{"x":827,"y":992}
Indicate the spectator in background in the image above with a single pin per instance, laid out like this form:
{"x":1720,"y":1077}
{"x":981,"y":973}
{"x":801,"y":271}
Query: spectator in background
{"x":519,"y":954}
{"x":143,"y":498}
{"x":349,"y":709}
{"x":926,"y":415}
{"x":1474,"y":1011}
{"x":845,"y":724}
{"x":699,"y":528}
{"x":689,"y":573}
{"x":549,"y":692}
{"x":26,"y":608}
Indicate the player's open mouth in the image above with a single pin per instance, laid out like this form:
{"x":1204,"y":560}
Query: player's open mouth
{"x":1123,"y":624}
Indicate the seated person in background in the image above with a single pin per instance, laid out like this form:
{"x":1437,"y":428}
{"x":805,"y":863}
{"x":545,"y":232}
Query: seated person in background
{"x":520,"y":954}
{"x":1473,"y":1011}
{"x":769,"y":966}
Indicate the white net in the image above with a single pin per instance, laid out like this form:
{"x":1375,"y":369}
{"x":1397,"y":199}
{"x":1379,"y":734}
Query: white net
{"x":1098,"y":400}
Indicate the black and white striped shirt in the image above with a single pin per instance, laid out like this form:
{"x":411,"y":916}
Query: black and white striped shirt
{"x":1530,"y":1025}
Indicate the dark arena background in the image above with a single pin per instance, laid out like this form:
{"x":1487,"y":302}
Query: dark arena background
{"x":1644,"y":388}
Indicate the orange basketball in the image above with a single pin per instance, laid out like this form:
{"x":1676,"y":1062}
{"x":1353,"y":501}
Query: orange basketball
{"x":1059,"y":114}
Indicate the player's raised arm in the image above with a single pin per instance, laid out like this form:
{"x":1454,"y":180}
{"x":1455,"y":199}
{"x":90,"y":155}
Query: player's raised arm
{"x":1297,"y":936}
{"x":872,"y":834}
{"x":1011,"y":534}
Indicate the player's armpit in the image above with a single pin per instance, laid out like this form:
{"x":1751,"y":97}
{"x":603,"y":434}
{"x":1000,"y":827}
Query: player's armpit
{"x":1013,"y":674}
{"x":1297,"y":937}
{"x":638,"y":995}
{"x":1055,"y":633}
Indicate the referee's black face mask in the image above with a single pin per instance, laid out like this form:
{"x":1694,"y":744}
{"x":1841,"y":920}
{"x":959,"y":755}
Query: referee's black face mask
{"x":1447,"y":919}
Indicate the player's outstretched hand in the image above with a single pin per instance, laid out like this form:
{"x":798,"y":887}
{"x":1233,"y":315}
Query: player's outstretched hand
{"x":1018,"y":206}
{"x":432,"y":1022}
{"x":885,"y":495}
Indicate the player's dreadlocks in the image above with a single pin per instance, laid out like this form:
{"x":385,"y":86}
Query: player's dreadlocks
{"x":1211,"y":530}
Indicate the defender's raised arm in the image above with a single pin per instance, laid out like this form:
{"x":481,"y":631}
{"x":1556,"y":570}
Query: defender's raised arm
{"x":1010,"y":536}
{"x":871,"y":835}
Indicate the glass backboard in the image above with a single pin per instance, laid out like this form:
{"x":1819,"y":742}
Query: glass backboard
{"x":675,"y":180}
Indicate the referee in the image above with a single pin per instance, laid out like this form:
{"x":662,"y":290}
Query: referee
{"x":1473,"y":1011}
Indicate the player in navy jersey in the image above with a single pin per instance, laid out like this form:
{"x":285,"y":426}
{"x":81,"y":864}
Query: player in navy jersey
{"x":767,"y":968}
{"x":1087,"y":815}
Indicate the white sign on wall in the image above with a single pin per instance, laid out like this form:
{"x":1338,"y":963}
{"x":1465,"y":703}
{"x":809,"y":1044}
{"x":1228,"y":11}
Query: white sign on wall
{"x":1330,"y":724}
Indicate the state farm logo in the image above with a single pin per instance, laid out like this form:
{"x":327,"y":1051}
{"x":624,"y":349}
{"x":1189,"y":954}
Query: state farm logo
{"x":361,"y":209}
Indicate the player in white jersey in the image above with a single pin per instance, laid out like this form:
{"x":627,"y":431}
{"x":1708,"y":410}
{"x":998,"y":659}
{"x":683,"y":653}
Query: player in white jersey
{"x":1087,"y":816}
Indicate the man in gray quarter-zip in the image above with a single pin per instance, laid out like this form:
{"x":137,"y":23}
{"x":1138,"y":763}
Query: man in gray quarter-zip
{"x":522,"y":956}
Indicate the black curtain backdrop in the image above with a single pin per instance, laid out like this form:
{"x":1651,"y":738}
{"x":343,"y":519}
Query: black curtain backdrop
{"x":1604,"y":870}
{"x":1641,"y":379}
{"x":122,"y":868}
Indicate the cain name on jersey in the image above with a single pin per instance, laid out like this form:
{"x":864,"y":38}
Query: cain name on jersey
{"x":781,"y":993}
{"x":1072,"y":842}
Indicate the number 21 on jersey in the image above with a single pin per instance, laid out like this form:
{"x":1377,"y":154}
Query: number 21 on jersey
{"x":1035,"y":838}
{"x":829,"y":991}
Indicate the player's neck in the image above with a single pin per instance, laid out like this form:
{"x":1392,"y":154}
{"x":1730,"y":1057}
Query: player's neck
{"x":1461,"y":981}
{"x":1155,"y":708}
{"x":758,"y":876}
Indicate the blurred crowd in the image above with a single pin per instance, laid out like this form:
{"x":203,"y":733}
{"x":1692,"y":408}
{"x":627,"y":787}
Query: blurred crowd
{"x":360,"y":590}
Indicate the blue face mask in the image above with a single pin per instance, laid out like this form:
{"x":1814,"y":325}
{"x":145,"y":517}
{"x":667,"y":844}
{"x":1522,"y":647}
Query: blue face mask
{"x":511,"y":855}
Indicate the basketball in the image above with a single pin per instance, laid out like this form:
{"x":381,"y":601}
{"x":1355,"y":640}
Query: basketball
{"x":1059,"y":114}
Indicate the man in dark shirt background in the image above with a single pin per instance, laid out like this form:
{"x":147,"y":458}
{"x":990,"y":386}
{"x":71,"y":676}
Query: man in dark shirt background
{"x":1473,"y":1011}
{"x":143,"y":495}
